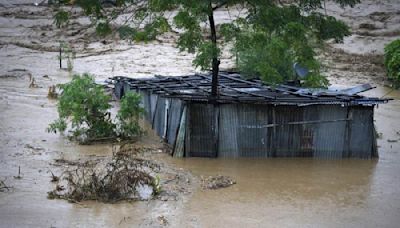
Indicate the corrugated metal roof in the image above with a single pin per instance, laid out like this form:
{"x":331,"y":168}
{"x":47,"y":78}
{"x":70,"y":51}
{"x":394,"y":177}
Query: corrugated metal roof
{"x":234,"y":89}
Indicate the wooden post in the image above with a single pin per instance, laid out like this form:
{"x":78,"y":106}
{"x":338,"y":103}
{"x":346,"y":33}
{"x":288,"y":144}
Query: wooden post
{"x":60,"y":56}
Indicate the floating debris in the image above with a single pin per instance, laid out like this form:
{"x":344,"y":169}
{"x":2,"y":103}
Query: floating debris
{"x":54,"y":178}
{"x":19,"y":174}
{"x":32,"y":82}
{"x":36,"y":148}
{"x":52,"y":93}
{"x":162,"y":220}
{"x":216,"y":182}
{"x":4,"y":187}
{"x":123,"y":178}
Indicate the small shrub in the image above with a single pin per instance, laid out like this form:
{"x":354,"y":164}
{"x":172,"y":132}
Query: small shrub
{"x":392,"y":61}
{"x":129,"y":114}
{"x":85,"y":106}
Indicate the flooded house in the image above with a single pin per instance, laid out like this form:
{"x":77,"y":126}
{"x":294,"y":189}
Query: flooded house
{"x":251,"y":119}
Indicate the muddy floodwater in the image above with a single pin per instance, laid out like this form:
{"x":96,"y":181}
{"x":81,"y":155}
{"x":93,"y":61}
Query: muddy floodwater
{"x":296,"y":192}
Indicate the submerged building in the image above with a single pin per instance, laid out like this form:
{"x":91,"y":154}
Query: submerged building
{"x":251,"y":119}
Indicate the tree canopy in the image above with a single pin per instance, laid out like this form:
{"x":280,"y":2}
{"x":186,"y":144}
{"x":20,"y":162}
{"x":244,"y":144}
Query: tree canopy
{"x":267,"y":40}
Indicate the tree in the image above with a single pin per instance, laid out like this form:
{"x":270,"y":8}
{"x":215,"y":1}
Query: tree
{"x":270,"y":29}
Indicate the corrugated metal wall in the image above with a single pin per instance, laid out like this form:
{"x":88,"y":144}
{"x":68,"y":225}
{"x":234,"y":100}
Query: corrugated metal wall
{"x":251,"y":130}
{"x":287,"y":138}
{"x":199,"y":140}
{"x":159,"y":119}
{"x":228,"y":131}
{"x":252,"y":134}
{"x":329,"y":138}
{"x":362,"y":133}
{"x":174,"y":119}
{"x":320,"y":131}
{"x":179,"y":146}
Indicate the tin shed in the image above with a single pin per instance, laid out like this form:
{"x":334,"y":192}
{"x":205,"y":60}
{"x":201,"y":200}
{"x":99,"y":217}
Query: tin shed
{"x":251,"y":119}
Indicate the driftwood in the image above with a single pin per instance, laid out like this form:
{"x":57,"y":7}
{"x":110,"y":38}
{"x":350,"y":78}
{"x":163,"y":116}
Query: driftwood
{"x":4,"y":187}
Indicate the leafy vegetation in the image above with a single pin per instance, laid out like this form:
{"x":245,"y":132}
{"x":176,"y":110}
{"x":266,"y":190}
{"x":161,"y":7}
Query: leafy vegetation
{"x":83,"y":108}
{"x":61,"y":18}
{"x":267,"y":40}
{"x":273,"y":38}
{"x":129,"y":114}
{"x":392,"y":61}
{"x":85,"y":105}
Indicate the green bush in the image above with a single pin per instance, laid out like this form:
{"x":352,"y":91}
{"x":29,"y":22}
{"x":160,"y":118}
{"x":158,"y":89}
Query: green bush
{"x":83,"y":109}
{"x":129,"y":114}
{"x":392,"y":61}
{"x":85,"y":106}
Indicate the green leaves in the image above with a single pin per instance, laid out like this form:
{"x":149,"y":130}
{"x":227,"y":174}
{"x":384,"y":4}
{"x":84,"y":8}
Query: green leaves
{"x":267,"y":41}
{"x":126,"y":32}
{"x":392,"y":61}
{"x":206,"y":52}
{"x":129,"y":114}
{"x":103,"y":28}
{"x":84,"y":104}
{"x":83,"y":108}
{"x":327,"y":27}
{"x":273,"y":38}
{"x":61,"y":18}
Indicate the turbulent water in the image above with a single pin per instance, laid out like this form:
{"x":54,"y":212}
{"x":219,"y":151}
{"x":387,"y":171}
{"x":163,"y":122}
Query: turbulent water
{"x":268,"y":193}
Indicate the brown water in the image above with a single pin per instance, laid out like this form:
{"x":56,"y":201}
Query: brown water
{"x":268,"y":193}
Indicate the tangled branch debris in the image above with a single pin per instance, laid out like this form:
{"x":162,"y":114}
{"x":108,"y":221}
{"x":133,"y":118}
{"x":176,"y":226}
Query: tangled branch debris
{"x":216,"y":182}
{"x":123,"y":178}
{"x":132,"y":173}
{"x":4,"y":187}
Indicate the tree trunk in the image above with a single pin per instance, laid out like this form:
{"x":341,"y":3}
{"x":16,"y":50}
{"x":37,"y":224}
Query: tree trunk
{"x":215,"y":60}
